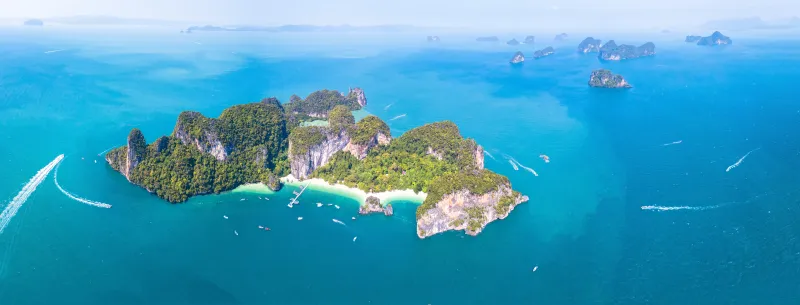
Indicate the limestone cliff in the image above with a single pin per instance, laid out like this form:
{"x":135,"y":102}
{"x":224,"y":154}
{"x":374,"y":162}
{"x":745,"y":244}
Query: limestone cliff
{"x":194,"y":129}
{"x":373,"y":205}
{"x":463,"y":210}
{"x":358,"y":95}
{"x":125,"y":159}
{"x":312,"y":147}
{"x":589,"y":45}
{"x":360,"y":150}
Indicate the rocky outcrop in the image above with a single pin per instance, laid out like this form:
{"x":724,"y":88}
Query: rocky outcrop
{"x":605,"y":79}
{"x":716,"y":39}
{"x":613,"y":52}
{"x":125,"y":159}
{"x":358,"y":95}
{"x":373,"y":205}
{"x":303,"y":162}
{"x":529,"y":40}
{"x":561,"y":37}
{"x":518,"y":58}
{"x":274,"y":183}
{"x":512,"y":42}
{"x":543,"y":52}
{"x":194,"y":129}
{"x":589,"y":45}
{"x":479,"y":156}
{"x":433,"y":38}
{"x":693,"y":38}
{"x":388,"y":210}
{"x":360,"y":150}
{"x":487,"y":39}
{"x":463,"y":210}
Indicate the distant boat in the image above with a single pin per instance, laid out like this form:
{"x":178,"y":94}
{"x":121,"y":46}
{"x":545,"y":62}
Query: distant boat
{"x":354,"y":238}
{"x":234,"y":232}
{"x":296,"y":193}
{"x":225,"y":216}
{"x":260,"y":227}
{"x":354,"y":218}
{"x":299,"y":218}
{"x":330,"y":204}
{"x":336,"y":206}
{"x":545,"y":158}
{"x":289,"y":205}
{"x":319,"y":204}
{"x":338,"y":221}
{"x":535,"y":268}
{"x":241,"y":199}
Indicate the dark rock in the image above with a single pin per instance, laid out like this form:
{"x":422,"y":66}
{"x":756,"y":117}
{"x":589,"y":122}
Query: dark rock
{"x":589,"y":45}
{"x":529,"y":40}
{"x":715,"y":39}
{"x":518,"y":58}
{"x":543,"y":52}
{"x":605,"y":79}
{"x":561,"y":37}
{"x":487,"y":39}
{"x":512,"y":42}
{"x":612,"y":51}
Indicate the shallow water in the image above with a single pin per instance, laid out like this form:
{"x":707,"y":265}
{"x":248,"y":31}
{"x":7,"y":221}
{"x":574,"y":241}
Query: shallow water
{"x":584,"y":227}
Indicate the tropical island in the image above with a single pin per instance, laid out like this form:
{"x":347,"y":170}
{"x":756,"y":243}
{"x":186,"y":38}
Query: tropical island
{"x":716,"y":39}
{"x":589,"y":45}
{"x":512,"y":42}
{"x":265,"y":142}
{"x":529,"y":39}
{"x":543,"y":52}
{"x":605,"y":79}
{"x":33,"y":22}
{"x":487,"y":39}
{"x":518,"y":58}
{"x":612,"y":51}
{"x":561,"y":37}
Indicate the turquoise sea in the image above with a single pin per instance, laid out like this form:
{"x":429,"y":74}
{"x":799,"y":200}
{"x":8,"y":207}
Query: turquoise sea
{"x":721,"y":237}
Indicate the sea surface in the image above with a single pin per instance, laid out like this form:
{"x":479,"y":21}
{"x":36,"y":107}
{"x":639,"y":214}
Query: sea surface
{"x":704,"y":236}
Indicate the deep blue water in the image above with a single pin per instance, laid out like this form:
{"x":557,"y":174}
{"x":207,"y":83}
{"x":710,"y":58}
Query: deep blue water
{"x":584,"y":227}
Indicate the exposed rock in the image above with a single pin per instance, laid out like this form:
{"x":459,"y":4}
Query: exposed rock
{"x":589,"y":45}
{"x":612,"y":51}
{"x":433,"y":38}
{"x":274,"y":183}
{"x":479,"y":157}
{"x":33,"y":22}
{"x":388,"y":210}
{"x":463,"y":210}
{"x":359,"y":96}
{"x":543,"y":52}
{"x":305,"y":161}
{"x":371,"y":205}
{"x":529,"y":40}
{"x":716,"y":39}
{"x":487,"y":39}
{"x":205,"y":137}
{"x":126,"y":158}
{"x":693,"y":39}
{"x":518,"y":58}
{"x":360,"y":150}
{"x":561,"y":37}
{"x":512,"y":42}
{"x":605,"y":79}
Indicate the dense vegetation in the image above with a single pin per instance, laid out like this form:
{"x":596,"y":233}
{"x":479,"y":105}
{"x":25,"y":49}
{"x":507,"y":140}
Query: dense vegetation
{"x":303,"y":138}
{"x":319,"y":103}
{"x":340,"y":118}
{"x":367,"y":129}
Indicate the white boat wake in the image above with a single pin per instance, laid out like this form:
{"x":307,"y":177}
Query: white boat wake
{"x":398,"y":117}
{"x":53,"y":51}
{"x":339,"y":222}
{"x":516,"y":168}
{"x":13,"y":206}
{"x":672,"y":143}
{"x":105,"y":151}
{"x":660,"y":208}
{"x":76,"y":198}
{"x":516,"y":165}
{"x":387,"y":106}
{"x":490,"y":155}
{"x":740,"y":160}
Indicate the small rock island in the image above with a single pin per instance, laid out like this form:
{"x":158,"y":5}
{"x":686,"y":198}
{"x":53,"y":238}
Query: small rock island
{"x":512,"y":42}
{"x":518,"y":58}
{"x":589,"y":45}
{"x":693,"y":39}
{"x":433,"y":38}
{"x":612,"y":51}
{"x":543,"y":52}
{"x":561,"y":37}
{"x":260,"y":142}
{"x":716,"y":39}
{"x":487,"y":39}
{"x":33,"y":22}
{"x":605,"y":79}
{"x":529,"y":40}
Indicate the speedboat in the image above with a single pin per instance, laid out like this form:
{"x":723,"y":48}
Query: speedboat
{"x":545,"y":158}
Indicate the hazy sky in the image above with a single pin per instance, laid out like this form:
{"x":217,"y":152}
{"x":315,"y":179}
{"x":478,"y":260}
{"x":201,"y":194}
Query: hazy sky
{"x":461,"y":13}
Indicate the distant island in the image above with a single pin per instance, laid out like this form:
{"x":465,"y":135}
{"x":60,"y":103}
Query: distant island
{"x":543,"y":52}
{"x":33,"y":22}
{"x":529,"y":40}
{"x":612,"y":51}
{"x":487,"y":38}
{"x":561,"y":37}
{"x":716,"y":39}
{"x":693,"y":39}
{"x":433,"y":38}
{"x":605,"y":79}
{"x":589,"y":45}
{"x":518,"y":58}
{"x":265,"y":142}
{"x":512,"y":42}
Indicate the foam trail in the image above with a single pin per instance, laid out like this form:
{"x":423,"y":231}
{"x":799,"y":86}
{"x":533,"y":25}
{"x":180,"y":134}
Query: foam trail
{"x":678,"y":208}
{"x":398,"y":117}
{"x":53,"y":51}
{"x":105,"y":151}
{"x":517,"y":165}
{"x":516,"y":168}
{"x":527,"y":168}
{"x":76,"y":198}
{"x":27,"y":190}
{"x":490,"y":155}
{"x":387,"y":106}
{"x":672,"y":143}
{"x":339,"y":222}
{"x":740,"y":160}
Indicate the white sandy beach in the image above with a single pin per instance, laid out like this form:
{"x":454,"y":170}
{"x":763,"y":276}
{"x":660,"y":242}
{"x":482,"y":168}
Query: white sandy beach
{"x":338,"y":189}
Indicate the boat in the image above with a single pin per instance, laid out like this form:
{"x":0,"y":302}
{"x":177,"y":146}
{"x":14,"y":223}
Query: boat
{"x":354,"y":218}
{"x":260,"y":227}
{"x":295,"y":193}
{"x":336,"y":206}
{"x":354,"y":238}
{"x":234,"y":232}
{"x":330,"y":204}
{"x":289,"y":205}
{"x":545,"y":158}
{"x":241,"y":199}
{"x":319,"y":204}
{"x":266,"y":229}
{"x":338,"y":221}
{"x":225,"y":216}
{"x":299,"y":218}
{"x":535,"y":268}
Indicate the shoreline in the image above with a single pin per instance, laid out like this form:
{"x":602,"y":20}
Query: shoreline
{"x":318,"y":184}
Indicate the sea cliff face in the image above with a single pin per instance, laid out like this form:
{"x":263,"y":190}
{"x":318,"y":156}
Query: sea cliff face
{"x":360,"y":150}
{"x":125,"y":159}
{"x":358,"y":95}
{"x":463,"y":210}
{"x":304,"y":162}
{"x":589,"y":45}
{"x":206,"y":139}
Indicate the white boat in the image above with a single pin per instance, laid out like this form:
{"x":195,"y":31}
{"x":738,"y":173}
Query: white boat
{"x":296,"y":193}
{"x":234,"y":232}
{"x":354,"y":218}
{"x":338,"y":221}
{"x":225,"y":216}
{"x":535,"y":268}
{"x":354,"y":238}
{"x":260,"y":227}
{"x":319,"y":204}
{"x":241,"y":199}
{"x":330,"y":204}
{"x":299,"y":218}
{"x":336,"y":206}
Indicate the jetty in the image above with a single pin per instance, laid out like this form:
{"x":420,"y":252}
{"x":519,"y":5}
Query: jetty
{"x":297,"y":195}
